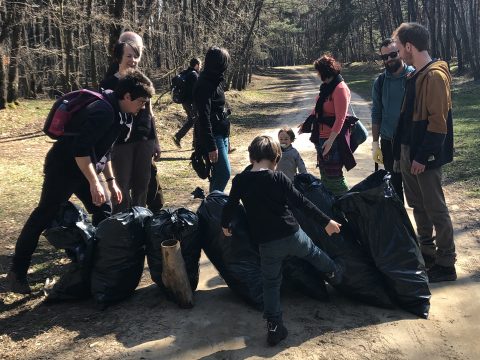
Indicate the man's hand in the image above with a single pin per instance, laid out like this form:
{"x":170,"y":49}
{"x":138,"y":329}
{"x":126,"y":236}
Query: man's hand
{"x":417,"y":168}
{"x":97,"y":192}
{"x":213,"y":156}
{"x":157,"y":152}
{"x":396,"y":166}
{"x":115,"y":192}
{"x":332,"y":227}
{"x":377,"y":153}
{"x":227,"y":232}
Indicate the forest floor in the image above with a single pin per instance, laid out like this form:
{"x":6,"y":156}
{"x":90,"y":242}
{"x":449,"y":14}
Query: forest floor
{"x":221,"y":326}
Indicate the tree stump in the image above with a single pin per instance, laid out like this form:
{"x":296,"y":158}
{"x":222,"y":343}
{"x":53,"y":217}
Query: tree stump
{"x":174,"y":274}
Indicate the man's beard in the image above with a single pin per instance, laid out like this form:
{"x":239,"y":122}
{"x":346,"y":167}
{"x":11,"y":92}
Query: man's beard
{"x":393,"y":66}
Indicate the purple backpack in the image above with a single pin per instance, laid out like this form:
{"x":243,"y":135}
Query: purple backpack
{"x":61,"y":120}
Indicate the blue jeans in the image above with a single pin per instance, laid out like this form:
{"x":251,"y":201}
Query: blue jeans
{"x":272,"y":254}
{"x":221,"y":169}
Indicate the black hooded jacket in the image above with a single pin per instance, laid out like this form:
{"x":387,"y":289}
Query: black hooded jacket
{"x":209,"y":99}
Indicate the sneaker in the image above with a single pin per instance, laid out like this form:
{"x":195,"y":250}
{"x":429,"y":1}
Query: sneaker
{"x":429,"y":261}
{"x":17,"y":284}
{"x":276,"y":332}
{"x":440,"y":273}
{"x":335,"y":277}
{"x":176,"y":141}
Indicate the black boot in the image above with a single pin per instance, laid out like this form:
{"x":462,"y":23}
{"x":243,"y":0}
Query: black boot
{"x":276,"y":332}
{"x":17,"y":284}
{"x":440,"y":273}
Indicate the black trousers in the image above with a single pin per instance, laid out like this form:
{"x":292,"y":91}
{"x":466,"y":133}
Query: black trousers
{"x":191,"y":116}
{"x":396,"y":179}
{"x":61,"y":181}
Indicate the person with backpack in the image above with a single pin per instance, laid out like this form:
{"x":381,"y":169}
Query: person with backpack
{"x":212,"y":127}
{"x":73,"y":165}
{"x":183,"y":86}
{"x":387,"y":96}
{"x":134,"y":148}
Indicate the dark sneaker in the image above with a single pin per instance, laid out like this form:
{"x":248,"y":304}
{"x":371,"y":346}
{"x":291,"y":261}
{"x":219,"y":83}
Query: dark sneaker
{"x":335,"y":277}
{"x":276,"y":332}
{"x":429,"y":261}
{"x":17,"y":284}
{"x":440,"y":273}
{"x":176,"y":141}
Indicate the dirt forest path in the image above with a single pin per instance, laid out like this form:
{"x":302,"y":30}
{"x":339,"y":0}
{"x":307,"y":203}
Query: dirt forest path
{"x":221,"y":326}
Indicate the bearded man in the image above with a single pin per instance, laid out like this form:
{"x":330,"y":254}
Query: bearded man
{"x":387,"y":94}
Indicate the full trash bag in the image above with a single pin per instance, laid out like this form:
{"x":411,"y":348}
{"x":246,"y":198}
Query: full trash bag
{"x":180,"y":224}
{"x":238,"y":261}
{"x":72,"y":231}
{"x":305,"y":278}
{"x":235,"y":257}
{"x":119,"y":255}
{"x":361,"y":280}
{"x":378,"y":217}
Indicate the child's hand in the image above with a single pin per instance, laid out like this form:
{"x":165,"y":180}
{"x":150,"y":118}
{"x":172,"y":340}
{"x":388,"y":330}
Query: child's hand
{"x":227,"y":231}
{"x":332,"y":228}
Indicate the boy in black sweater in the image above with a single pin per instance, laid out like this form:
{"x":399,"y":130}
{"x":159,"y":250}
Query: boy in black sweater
{"x":264,"y":193}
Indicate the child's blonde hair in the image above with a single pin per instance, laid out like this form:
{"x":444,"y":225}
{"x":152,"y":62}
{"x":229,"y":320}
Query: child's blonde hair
{"x":265,"y":148}
{"x":289,"y":132}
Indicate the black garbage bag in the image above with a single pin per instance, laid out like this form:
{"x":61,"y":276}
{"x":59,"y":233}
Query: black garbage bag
{"x":70,"y":230}
{"x":378,"y":217}
{"x":236,"y":258}
{"x":361,"y":280}
{"x":180,"y":224}
{"x":74,"y":284}
{"x":304,"y":277}
{"x":119,"y":255}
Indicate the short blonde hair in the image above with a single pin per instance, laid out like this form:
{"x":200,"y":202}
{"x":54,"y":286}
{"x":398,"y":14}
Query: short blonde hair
{"x":265,"y":148}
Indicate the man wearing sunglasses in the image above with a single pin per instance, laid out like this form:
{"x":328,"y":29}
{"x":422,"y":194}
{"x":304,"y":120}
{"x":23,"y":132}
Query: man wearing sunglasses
{"x":387,"y":95}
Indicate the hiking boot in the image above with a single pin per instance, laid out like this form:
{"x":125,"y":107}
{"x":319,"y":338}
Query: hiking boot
{"x":17,"y":284}
{"x":176,"y":140}
{"x":335,"y":277}
{"x":440,"y":273}
{"x":276,"y":332}
{"x":429,"y":260}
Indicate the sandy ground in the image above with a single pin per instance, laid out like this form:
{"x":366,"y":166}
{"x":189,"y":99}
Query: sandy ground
{"x":341,"y":328}
{"x":220,"y":326}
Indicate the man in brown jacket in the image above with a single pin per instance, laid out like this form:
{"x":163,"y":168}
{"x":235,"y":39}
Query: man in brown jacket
{"x":423,"y":143}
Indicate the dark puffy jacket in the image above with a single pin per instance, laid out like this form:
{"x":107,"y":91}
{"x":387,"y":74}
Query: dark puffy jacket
{"x":209,"y":99}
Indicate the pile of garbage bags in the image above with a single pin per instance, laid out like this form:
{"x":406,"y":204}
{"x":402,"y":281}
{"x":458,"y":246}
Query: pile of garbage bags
{"x":108,"y":261}
{"x":377,"y":248}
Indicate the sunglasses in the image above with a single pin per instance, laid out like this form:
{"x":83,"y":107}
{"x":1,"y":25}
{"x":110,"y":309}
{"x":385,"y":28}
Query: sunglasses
{"x":392,"y":55}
